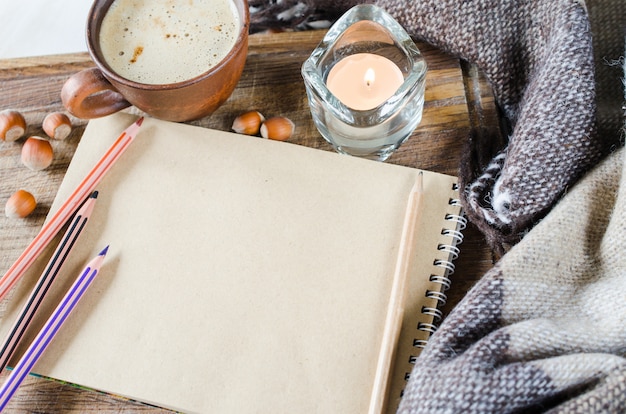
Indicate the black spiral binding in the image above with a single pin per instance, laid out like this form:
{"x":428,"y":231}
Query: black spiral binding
{"x":455,"y":233}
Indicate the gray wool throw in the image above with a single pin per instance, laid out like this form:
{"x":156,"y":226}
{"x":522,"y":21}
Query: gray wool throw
{"x":545,"y":329}
{"x":538,"y":57}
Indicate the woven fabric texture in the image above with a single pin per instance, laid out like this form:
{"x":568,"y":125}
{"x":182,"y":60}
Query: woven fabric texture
{"x":545,"y":329}
{"x":538,"y":57}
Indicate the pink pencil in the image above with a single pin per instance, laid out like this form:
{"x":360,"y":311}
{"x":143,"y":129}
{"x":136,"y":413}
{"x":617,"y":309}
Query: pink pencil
{"x":52,"y":326}
{"x":45,"y":280}
{"x":58,"y":220}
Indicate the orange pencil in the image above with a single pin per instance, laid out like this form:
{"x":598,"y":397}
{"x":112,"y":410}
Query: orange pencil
{"x":71,"y":205}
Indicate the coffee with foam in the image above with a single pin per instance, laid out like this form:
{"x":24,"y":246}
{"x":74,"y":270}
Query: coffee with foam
{"x":167,"y":41}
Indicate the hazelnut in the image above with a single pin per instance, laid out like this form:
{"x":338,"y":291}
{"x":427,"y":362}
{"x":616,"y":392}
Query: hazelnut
{"x":12,"y":125}
{"x":37,"y":153}
{"x":20,"y":204}
{"x":57,"y":125}
{"x":278,"y":128}
{"x":248,"y":123}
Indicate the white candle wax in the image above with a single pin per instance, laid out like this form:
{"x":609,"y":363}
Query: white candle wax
{"x":364,"y":80}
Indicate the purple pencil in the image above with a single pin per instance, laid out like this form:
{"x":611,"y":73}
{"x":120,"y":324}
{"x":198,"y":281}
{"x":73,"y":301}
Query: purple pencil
{"x":49,"y":330}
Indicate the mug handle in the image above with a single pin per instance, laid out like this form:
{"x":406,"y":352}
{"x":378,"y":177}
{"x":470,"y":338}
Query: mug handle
{"x":88,"y":94}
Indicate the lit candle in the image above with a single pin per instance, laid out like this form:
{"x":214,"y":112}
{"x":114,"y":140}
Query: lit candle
{"x":368,"y":103}
{"x":364,"y":80}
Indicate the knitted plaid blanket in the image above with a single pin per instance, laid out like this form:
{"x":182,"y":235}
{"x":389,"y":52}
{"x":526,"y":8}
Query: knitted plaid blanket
{"x":545,"y":329}
{"x":538,"y":57}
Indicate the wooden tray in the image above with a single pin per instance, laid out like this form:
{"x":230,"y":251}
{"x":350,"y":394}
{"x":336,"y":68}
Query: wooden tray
{"x":457,"y":99}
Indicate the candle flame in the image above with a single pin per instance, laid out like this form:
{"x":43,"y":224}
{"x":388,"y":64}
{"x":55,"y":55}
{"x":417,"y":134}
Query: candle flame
{"x":369,"y":77}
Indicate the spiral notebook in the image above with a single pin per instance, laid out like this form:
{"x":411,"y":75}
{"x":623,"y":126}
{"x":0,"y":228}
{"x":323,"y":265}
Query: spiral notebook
{"x":245,"y":275}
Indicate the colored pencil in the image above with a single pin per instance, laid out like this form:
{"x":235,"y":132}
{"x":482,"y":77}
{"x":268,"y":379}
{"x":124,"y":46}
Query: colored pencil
{"x":395,"y":310}
{"x":49,"y":330}
{"x":69,"y":207}
{"x":45,"y":280}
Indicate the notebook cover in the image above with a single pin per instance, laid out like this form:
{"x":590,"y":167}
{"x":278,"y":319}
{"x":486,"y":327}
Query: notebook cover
{"x":243,"y":275}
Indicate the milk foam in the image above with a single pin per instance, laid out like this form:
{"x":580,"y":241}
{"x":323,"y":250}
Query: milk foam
{"x":167,"y":41}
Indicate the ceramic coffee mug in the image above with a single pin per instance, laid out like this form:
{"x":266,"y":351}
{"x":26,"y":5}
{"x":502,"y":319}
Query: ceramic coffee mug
{"x":131,"y":42}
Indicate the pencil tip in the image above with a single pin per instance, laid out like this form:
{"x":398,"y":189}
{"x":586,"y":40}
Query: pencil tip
{"x":94,"y":194}
{"x":104,"y":251}
{"x":139,"y":121}
{"x":419,"y":182}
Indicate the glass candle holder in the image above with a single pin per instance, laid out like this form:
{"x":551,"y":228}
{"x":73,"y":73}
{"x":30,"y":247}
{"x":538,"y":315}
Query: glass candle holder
{"x":365,"y":84}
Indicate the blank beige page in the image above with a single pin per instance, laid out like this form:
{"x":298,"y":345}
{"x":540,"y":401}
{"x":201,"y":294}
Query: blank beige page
{"x":243,"y":275}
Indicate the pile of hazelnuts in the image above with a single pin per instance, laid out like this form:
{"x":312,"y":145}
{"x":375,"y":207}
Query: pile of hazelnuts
{"x":277,"y":128}
{"x":37,"y":153}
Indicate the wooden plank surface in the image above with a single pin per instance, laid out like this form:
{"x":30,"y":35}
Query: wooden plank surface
{"x":457,"y":99}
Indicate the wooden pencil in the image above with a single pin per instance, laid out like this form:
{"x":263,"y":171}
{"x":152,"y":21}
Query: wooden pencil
{"x":51,"y":327}
{"x":45,"y":280}
{"x":395,"y":310}
{"x":69,"y":207}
